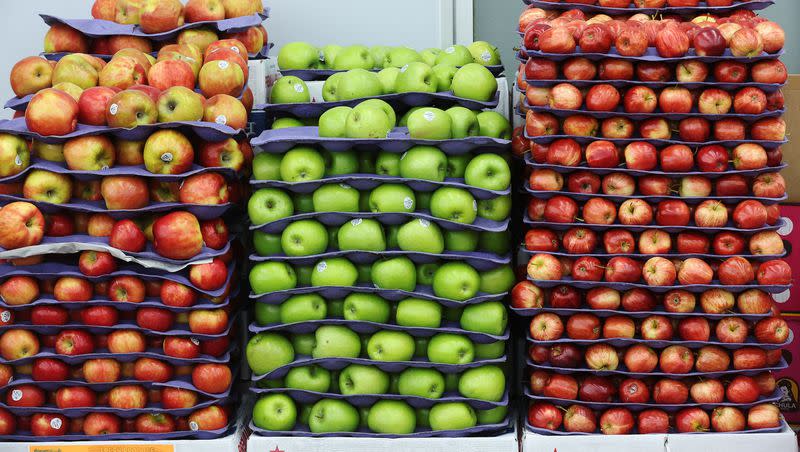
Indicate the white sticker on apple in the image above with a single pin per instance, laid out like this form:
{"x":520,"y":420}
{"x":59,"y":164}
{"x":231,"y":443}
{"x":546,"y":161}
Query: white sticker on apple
{"x":166,"y":157}
{"x":425,"y":223}
{"x":223,"y":64}
{"x":782,"y":297}
{"x":55,"y":423}
{"x":221,"y":120}
{"x":429,"y":116}
{"x":299,"y":88}
{"x":450,"y":50}
{"x":356,"y":222}
{"x":17,"y":161}
{"x":113,"y":109}
{"x":5,"y":317}
{"x":345,"y":186}
{"x":193,"y":426}
{"x":404,"y":68}
{"x":16,"y":395}
{"x":194,"y":341}
{"x":322,"y":266}
{"x":235,"y":49}
{"x":486,"y":56}
{"x":408,"y":203}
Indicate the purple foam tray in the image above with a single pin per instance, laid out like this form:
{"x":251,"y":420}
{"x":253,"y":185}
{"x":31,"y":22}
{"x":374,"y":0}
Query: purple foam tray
{"x":479,"y":261}
{"x":125,"y":413}
{"x":366,"y":182}
{"x":386,"y":366}
{"x":335,"y":293}
{"x":98,"y":28}
{"x":386,"y":218}
{"x":303,"y":431}
{"x":695,"y":288}
{"x":659,"y":344}
{"x":584,"y":140}
{"x":413,"y":99}
{"x":367,"y":400}
{"x":542,"y":431}
{"x":702,"y":8}
{"x":709,"y":83}
{"x":309,"y":75}
{"x":364,"y":327}
{"x":147,"y":303}
{"x":671,"y":255}
{"x":651,"y":55}
{"x":121,"y":357}
{"x":547,"y":194}
{"x":691,"y":227}
{"x":57,"y":270}
{"x":619,"y":112}
{"x":185,"y":434}
{"x":398,"y":140}
{"x":206,"y":131}
{"x":604,"y":313}
{"x":621,"y":371}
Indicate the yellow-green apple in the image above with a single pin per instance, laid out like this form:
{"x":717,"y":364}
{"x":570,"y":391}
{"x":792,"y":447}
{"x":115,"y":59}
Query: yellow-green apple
{"x":164,"y":191}
{"x":19,"y":290}
{"x":88,"y":190}
{"x":221,"y":77}
{"x":53,"y":152}
{"x":92,"y":105}
{"x":129,"y":153}
{"x":76,"y":68}
{"x":158,"y":16}
{"x":180,"y":103}
{"x":201,"y":37}
{"x":70,"y":88}
{"x":123,"y":72}
{"x":120,"y":42}
{"x":252,"y":38}
{"x":104,"y":9}
{"x":46,"y":186}
{"x":215,"y":234}
{"x":205,"y":188}
{"x":177,"y":236}
{"x":14,"y":155}
{"x":204,"y":10}
{"x":226,"y":154}
{"x":89,"y":153}
{"x":229,"y":43}
{"x":168,"y":152}
{"x":225,"y":110}
{"x":230,"y":55}
{"x":131,"y":108}
{"x":52,"y":112}
{"x":124,"y":192}
{"x":128,"y":11}
{"x":31,"y":75}
{"x":153,"y":92}
{"x":21,"y":224}
{"x":188,"y":53}
{"x":100,"y":225}
{"x":62,"y":38}
{"x":140,"y":57}
{"x":168,"y":73}
{"x":18,"y":344}
{"x":209,"y":276}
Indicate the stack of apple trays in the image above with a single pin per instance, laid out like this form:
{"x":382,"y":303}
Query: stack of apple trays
{"x":653,"y":254}
{"x":118,"y":187}
{"x":381,"y":256}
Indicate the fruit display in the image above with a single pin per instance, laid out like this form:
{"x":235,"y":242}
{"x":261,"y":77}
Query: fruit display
{"x":652,"y":140}
{"x":382,"y":258}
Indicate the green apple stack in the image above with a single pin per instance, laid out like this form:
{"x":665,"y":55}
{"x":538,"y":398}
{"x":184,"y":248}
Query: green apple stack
{"x":379,"y":277}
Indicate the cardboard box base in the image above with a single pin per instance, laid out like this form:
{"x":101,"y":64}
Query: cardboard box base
{"x":227,"y":444}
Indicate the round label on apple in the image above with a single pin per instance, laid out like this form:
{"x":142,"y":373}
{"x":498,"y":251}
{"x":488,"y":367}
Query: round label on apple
{"x":345,"y":186}
{"x":223,"y":64}
{"x":322,"y":266}
{"x":450,"y":50}
{"x":194,"y":341}
{"x":113,"y":109}
{"x":486,"y":56}
{"x":17,"y":160}
{"x":56,"y":423}
{"x":425,"y":223}
{"x":299,"y":88}
{"x":5,"y":317}
{"x":16,"y":395}
{"x":221,"y":120}
{"x":787,"y":228}
{"x":404,"y":68}
{"x":235,"y":49}
{"x":782,"y":297}
{"x":166,"y":157}
{"x":193,"y":426}
{"x":429,"y":116}
{"x":408,"y":203}
{"x":356,"y":222}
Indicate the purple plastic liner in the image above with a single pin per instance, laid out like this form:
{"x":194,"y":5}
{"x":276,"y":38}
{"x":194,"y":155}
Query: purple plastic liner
{"x":753,"y":5}
{"x":206,"y":131}
{"x":303,"y":431}
{"x":121,"y":357}
{"x":621,"y":371}
{"x":619,"y":112}
{"x":604,"y":313}
{"x":311,"y":397}
{"x":57,"y":270}
{"x":691,"y":227}
{"x":366,"y":182}
{"x":363,"y":327}
{"x":542,"y":431}
{"x":414,"y":99}
{"x":281,"y":140}
{"x":479,"y":261}
{"x":692,"y":86}
{"x":387,"y":218}
{"x":147,"y":303}
{"x":546,"y":194}
{"x":97,"y":28}
{"x":696,"y":288}
{"x":335,"y":293}
{"x":617,"y":342}
{"x":651,"y":55}
{"x":386,"y":366}
{"x":600,"y":254}
{"x":186,"y":434}
{"x":323,"y":74}
{"x":547,"y":139}
{"x":126,"y":413}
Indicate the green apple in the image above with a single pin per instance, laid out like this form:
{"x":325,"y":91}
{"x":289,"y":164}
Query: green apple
{"x":275,"y":412}
{"x":392,"y":198}
{"x":268,"y":205}
{"x":456,"y":281}
{"x":461,"y":241}
{"x":303,"y":202}
{"x":400,"y":56}
{"x":271,"y":383}
{"x":394,"y":381}
{"x":424,"y":162}
{"x":494,"y":242}
{"x":330,"y":89}
{"x":454,"y":204}
{"x":266,"y":244}
{"x":364,"y":271}
{"x":309,"y":378}
{"x":335,"y":341}
{"x":267,"y":314}
{"x":297,"y":55}
{"x":368,"y":122}
{"x":272,"y":277}
{"x":452,"y":416}
{"x":420,"y":347}
{"x":404,"y":119}
{"x":358,"y":84}
{"x":304,"y":275}
{"x":289,"y":90}
{"x":357,"y":379}
{"x":483,"y":383}
{"x":366,"y":162}
{"x":493,"y":124}
{"x":392,"y":417}
{"x":391,"y":346}
{"x":430,"y":124}
{"x":366,"y":307}
{"x":488,"y":171}
{"x":451,"y":382}
{"x":337,"y":272}
{"x":364,"y":343}
{"x":493,"y":416}
{"x":336,"y":309}
{"x":379,"y":54}
{"x":332,"y":123}
{"x":301,"y":164}
{"x":331,"y":416}
{"x":465,"y":122}
{"x":419,"y":382}
{"x":424,"y":200}
{"x":340,"y":162}
{"x":456,"y":55}
{"x":353,"y":57}
{"x":475,"y":82}
{"x":304,"y":238}
{"x":336,"y":198}
{"x":484,"y":53}
{"x":362,"y":235}
{"x":397,"y":273}
{"x":303,"y":308}
{"x":444,"y":74}
{"x":429,"y":56}
{"x":416,"y":77}
{"x":391,"y":237}
{"x":448,"y":348}
{"x":388,"y":78}
{"x":496,"y":209}
{"x":267,"y":166}
{"x":498,"y":280}
{"x":426,"y":273}
{"x":329,"y":54}
{"x":363,"y":414}
{"x":387,"y":164}
{"x":421,"y":236}
{"x":489,"y":318}
{"x":304,"y":415}
{"x":266,"y":352}
{"x":333,"y":237}
{"x":492,"y":350}
{"x":382,"y":105}
{"x":457,"y":165}
{"x":286,"y":123}
{"x":303,"y":343}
